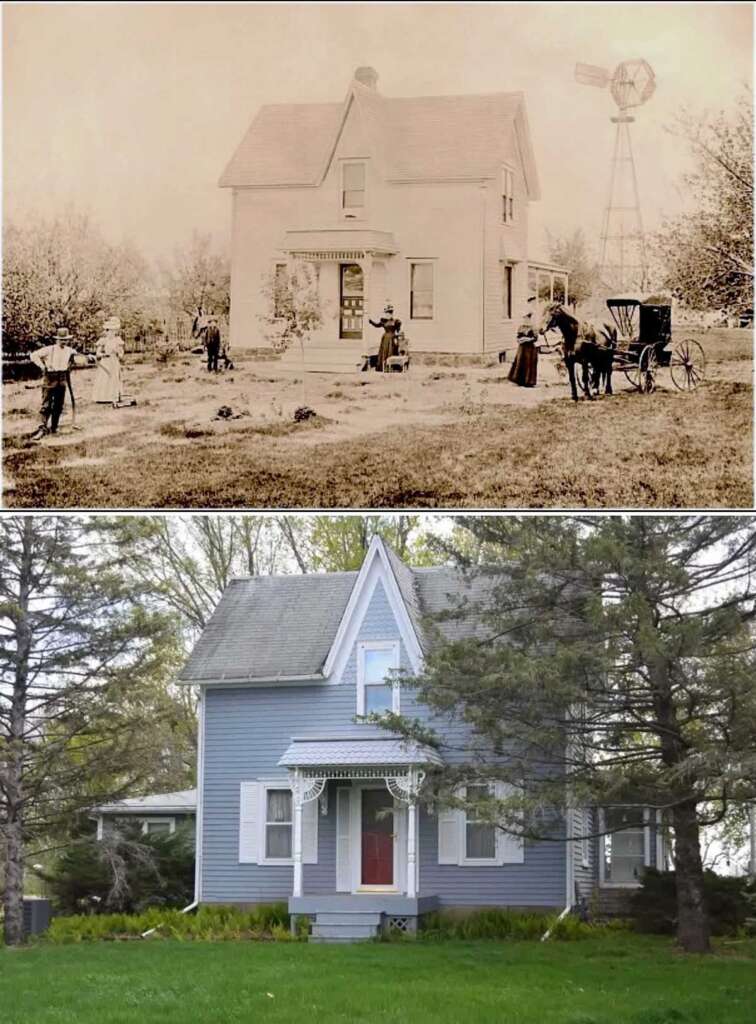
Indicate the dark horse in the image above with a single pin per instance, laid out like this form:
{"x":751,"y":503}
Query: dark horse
{"x":581,"y":345}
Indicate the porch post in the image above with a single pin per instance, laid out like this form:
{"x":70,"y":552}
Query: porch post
{"x":366,"y":264}
{"x":296,"y":792}
{"x":412,"y":848}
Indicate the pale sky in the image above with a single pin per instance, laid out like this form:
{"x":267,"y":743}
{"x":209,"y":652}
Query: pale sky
{"x":131,"y":111}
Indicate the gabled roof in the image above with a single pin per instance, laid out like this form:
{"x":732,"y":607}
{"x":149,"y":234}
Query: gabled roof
{"x":301,"y":629}
{"x":181,"y":802}
{"x":431,"y":138}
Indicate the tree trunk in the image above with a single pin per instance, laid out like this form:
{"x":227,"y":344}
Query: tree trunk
{"x":13,"y":897}
{"x":692,"y":917}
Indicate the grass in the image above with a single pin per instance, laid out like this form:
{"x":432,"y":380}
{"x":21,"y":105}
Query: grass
{"x":629,"y":980}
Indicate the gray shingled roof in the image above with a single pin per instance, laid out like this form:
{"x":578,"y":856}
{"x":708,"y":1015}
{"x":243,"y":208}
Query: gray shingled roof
{"x":336,"y":753}
{"x":182,"y":802}
{"x":415,"y":138}
{"x":282,"y":627}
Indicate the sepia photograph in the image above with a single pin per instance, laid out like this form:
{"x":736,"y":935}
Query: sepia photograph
{"x":377,"y":768}
{"x":354,"y":256}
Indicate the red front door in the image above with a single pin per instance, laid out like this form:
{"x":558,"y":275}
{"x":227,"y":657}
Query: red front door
{"x":377,"y":837}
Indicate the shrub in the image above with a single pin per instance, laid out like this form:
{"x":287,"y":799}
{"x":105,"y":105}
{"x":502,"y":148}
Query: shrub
{"x":654,"y":905}
{"x":505,"y":924}
{"x":212,"y":924}
{"x":125,"y":872}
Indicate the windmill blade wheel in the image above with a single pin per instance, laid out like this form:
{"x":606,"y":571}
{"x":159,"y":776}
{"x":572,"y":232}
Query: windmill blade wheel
{"x":687,"y":364}
{"x":648,"y":367}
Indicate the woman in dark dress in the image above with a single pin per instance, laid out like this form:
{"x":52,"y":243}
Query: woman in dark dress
{"x":524,"y":370}
{"x":391,"y":328}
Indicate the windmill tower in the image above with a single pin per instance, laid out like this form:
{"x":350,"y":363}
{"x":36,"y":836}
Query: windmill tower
{"x":624,"y":267}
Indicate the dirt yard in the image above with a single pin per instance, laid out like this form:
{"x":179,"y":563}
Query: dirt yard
{"x":439,"y":436}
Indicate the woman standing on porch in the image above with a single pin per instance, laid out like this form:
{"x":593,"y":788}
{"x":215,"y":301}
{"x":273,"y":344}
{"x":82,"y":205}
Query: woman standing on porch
{"x":391,"y":328}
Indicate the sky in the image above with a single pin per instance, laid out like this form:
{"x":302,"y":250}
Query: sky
{"x":131,"y":111}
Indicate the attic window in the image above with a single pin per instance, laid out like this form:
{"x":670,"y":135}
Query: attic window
{"x":507,"y":196}
{"x":377,"y":691}
{"x":352,"y":189}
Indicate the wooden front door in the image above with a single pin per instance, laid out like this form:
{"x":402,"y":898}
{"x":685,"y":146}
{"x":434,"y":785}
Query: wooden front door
{"x":377,"y":837}
{"x":351,"y":299}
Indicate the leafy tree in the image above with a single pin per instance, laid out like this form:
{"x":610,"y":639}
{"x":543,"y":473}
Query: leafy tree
{"x":62,"y":273}
{"x":199,"y":280}
{"x":621,"y":647}
{"x":573,"y":254}
{"x":294,"y":309}
{"x":706,"y":254}
{"x":339,"y":543}
{"x":80,"y":659}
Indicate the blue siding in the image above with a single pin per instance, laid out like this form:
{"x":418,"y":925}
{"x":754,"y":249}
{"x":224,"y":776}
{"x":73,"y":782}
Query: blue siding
{"x":247,"y":731}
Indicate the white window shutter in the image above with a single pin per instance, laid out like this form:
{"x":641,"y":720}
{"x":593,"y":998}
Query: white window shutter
{"x":249,"y":822}
{"x":310,"y":832}
{"x":343,"y":863}
{"x":509,"y":849}
{"x":449,"y":829}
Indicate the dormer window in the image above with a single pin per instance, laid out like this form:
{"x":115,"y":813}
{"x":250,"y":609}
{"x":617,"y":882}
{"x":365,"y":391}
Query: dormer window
{"x":353,"y":190}
{"x":507,"y":195}
{"x":377,"y":689}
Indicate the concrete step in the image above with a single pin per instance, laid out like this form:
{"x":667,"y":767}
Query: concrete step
{"x":347,"y":917}
{"x":343,"y":941}
{"x":344,"y":931}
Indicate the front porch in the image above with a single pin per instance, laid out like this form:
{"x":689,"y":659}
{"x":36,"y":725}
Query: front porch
{"x":376,"y":783}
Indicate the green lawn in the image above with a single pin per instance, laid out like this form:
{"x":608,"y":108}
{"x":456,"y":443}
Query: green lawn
{"x":617,"y":980}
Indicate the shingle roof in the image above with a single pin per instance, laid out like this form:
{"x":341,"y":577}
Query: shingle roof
{"x":425,"y":137}
{"x":183,"y":801}
{"x":334,"y":753}
{"x":282,"y":627}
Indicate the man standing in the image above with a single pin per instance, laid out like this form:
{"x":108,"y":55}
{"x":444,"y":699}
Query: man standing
{"x":55,"y":362}
{"x":212,"y":344}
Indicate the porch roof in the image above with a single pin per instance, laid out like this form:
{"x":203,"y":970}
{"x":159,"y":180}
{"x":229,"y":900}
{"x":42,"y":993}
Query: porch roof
{"x":367,"y":751}
{"x":336,"y":243}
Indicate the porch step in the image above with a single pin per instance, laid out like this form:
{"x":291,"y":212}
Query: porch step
{"x":357,"y":926}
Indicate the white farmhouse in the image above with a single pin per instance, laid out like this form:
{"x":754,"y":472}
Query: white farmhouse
{"x":421,"y":202}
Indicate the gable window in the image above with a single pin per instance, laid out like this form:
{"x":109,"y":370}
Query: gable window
{"x":352,"y":189}
{"x":278,"y":824}
{"x":377,"y":691}
{"x":507,"y":196}
{"x":506,"y":282}
{"x":480,"y":837}
{"x":421,"y":291}
{"x":624,"y":846}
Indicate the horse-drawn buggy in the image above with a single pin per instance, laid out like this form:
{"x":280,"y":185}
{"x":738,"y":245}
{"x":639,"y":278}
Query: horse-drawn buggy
{"x":639,"y":343}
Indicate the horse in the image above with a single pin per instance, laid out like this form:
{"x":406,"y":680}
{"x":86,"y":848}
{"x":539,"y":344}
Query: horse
{"x":581,"y":345}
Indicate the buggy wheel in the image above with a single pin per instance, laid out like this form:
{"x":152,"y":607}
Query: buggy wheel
{"x":648,"y":367}
{"x":630,"y":371}
{"x":687,"y":364}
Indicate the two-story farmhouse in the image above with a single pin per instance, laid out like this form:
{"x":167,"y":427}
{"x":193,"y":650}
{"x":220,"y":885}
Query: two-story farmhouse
{"x":421,"y":202}
{"x":297,"y":801}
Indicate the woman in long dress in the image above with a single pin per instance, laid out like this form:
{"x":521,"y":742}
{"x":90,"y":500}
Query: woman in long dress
{"x":109,"y":352}
{"x":524,"y":369}
{"x":391,"y":328}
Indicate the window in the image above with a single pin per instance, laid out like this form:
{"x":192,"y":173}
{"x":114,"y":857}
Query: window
{"x":507,"y":291}
{"x":278,"y":824}
{"x":158,"y":826}
{"x":280,"y":286}
{"x":377,"y":692}
{"x":532,"y":283}
{"x":480,"y":837}
{"x":421,"y":291}
{"x":560,"y":288}
{"x":352,"y":189}
{"x":585,"y":842}
{"x":507,"y":196}
{"x":624,"y":846}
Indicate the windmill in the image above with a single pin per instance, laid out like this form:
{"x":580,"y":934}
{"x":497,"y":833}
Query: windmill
{"x":623,"y":249}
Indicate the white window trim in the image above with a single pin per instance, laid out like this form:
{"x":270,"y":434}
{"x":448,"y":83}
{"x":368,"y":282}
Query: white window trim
{"x":585,"y":842}
{"x":510,"y":264}
{"x":416,"y":261}
{"x":376,"y":645}
{"x":353,"y":212}
{"x":464,"y":860}
{"x":661,"y":864}
{"x":158,"y":820}
{"x":646,"y":851}
{"x":265,"y":785}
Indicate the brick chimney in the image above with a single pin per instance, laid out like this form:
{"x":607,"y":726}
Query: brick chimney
{"x":368,"y":77}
